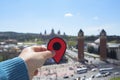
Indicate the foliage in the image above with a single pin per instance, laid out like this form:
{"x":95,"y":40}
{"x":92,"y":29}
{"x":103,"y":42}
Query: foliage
{"x":115,"y":41}
{"x":118,"y":78}
{"x":90,"y":49}
{"x":40,"y":42}
{"x":71,"y":43}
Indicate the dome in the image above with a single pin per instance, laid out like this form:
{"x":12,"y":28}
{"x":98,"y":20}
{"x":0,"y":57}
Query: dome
{"x":97,"y":41}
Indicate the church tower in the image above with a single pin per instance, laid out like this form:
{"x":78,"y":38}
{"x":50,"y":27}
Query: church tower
{"x":103,"y":45}
{"x":80,"y":45}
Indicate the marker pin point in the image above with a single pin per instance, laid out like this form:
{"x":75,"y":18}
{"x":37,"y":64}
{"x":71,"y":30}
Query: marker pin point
{"x":59,"y":46}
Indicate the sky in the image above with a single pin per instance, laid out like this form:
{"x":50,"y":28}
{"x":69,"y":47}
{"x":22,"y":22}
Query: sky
{"x":69,"y":16}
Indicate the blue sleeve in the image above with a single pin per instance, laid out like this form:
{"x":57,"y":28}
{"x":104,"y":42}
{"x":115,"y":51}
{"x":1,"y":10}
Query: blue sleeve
{"x":13,"y":69}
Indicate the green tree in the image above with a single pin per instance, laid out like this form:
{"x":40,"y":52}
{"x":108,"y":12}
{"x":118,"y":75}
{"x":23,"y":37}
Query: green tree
{"x":40,"y":42}
{"x":71,"y":43}
{"x":90,"y":49}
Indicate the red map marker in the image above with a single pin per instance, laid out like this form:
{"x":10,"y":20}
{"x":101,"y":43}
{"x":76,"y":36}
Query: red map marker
{"x":59,"y":46}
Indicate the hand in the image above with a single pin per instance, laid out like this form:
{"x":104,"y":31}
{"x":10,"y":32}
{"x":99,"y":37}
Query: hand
{"x":35,"y":57}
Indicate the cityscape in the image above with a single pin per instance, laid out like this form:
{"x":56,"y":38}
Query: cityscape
{"x":83,"y":60}
{"x":90,"y":30}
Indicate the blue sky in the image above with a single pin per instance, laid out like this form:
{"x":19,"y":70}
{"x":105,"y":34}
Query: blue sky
{"x":68,"y":16}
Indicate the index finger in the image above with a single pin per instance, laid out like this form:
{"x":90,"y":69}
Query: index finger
{"x":39,"y":48}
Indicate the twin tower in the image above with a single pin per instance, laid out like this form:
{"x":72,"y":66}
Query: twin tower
{"x":103,"y":45}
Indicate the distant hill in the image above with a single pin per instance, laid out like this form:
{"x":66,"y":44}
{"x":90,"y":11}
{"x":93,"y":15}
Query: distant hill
{"x":17,"y":36}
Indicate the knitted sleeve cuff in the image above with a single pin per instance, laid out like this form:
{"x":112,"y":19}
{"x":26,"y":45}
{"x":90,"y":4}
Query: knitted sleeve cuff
{"x":14,"y":69}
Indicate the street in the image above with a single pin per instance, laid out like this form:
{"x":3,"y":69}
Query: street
{"x":67,"y":71}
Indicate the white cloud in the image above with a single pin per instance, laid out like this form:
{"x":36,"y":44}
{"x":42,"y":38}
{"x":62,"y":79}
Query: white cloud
{"x":68,"y":15}
{"x":95,"y":18}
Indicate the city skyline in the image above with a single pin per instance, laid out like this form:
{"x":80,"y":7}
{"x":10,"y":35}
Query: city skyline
{"x":68,"y":16}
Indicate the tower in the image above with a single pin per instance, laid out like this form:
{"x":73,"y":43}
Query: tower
{"x":45,"y":32}
{"x":52,"y":32}
{"x":59,"y":32}
{"x":103,"y":45}
{"x":80,"y":45}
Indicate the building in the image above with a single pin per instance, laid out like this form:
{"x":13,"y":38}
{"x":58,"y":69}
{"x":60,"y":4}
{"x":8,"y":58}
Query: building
{"x":113,"y":49}
{"x":103,"y":45}
{"x":80,"y":45}
{"x":45,"y":37}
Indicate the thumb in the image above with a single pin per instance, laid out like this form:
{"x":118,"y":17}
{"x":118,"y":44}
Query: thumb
{"x":48,"y":54}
